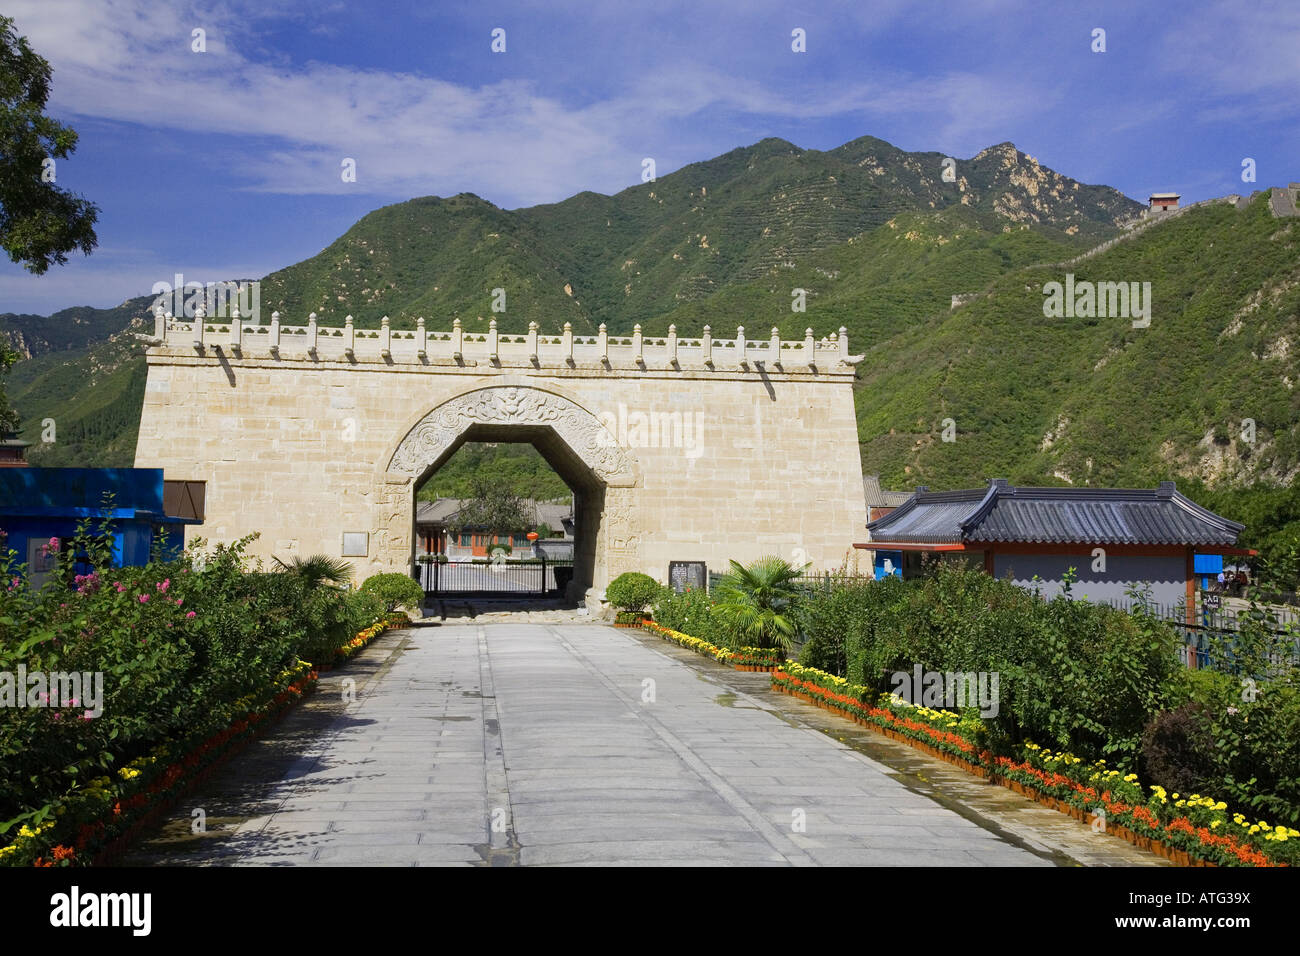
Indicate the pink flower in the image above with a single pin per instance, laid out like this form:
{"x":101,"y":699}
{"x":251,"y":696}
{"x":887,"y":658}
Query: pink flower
{"x":88,"y":715}
{"x":119,"y":586}
{"x":190,"y":615}
{"x":180,"y":601}
{"x":54,"y":544}
{"x":144,"y":599}
{"x":167,"y":582}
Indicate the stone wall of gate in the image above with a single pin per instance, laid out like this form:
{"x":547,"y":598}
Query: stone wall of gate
{"x":705,"y":450}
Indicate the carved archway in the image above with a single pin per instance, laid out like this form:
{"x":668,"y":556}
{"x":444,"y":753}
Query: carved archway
{"x":579,"y":429}
{"x":609,"y":539}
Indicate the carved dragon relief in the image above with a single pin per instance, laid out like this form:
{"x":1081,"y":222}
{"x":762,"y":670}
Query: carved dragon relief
{"x":513,"y":405}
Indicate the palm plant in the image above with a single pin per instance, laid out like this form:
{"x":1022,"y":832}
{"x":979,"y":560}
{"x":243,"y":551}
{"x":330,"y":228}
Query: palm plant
{"x":758,"y":603}
{"x":318,"y":570}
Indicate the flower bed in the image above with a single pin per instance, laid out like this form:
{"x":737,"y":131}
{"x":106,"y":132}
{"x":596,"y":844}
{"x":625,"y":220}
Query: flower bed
{"x":742,"y":659}
{"x":355,"y":646}
{"x":94,"y":824}
{"x":1194,"y":830}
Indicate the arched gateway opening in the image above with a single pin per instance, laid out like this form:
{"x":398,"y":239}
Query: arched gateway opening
{"x":570,"y":437}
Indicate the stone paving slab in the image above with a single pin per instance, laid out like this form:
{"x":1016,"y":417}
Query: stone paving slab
{"x":569,"y":744}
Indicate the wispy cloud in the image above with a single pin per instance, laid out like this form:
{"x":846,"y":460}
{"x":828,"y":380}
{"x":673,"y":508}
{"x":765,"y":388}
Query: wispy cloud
{"x":286,"y":128}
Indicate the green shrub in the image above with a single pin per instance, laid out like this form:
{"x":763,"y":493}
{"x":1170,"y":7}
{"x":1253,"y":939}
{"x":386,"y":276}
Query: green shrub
{"x":1072,"y":675}
{"x":185,"y":649}
{"x":395,"y":590}
{"x":839,"y":625}
{"x":690,"y":612}
{"x":632,"y":591}
{"x":1178,"y":750}
{"x":1254,"y":731}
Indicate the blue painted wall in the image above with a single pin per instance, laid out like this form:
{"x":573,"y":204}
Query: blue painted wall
{"x":37,"y":504}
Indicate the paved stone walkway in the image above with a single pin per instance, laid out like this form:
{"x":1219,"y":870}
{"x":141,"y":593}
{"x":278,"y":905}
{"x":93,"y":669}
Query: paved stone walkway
{"x":519,"y":743}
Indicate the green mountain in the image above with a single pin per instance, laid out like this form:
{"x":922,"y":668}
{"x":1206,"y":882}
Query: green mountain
{"x":80,"y":403}
{"x":1095,"y":400}
{"x":650,"y":250}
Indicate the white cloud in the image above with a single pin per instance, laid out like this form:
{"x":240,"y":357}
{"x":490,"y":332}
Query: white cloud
{"x":286,"y":129}
{"x":107,"y":279}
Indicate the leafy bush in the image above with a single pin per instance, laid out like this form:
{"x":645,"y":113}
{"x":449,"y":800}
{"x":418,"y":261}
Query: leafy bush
{"x":1073,"y":675}
{"x":1178,"y":750}
{"x":690,"y":612}
{"x":632,"y":591}
{"x":1253,"y":746}
{"x":840,"y":625}
{"x":395,"y":590}
{"x":184,"y":647}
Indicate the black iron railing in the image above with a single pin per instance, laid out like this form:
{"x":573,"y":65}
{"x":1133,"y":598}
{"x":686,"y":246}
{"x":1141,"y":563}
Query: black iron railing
{"x":521,"y":578}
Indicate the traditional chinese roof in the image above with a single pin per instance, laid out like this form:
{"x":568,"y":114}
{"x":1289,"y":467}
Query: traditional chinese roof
{"x":445,"y":511}
{"x":1005,"y":513}
{"x":877,"y":497}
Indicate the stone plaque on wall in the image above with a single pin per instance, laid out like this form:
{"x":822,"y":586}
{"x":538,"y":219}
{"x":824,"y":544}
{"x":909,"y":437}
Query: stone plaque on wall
{"x":687,"y":574}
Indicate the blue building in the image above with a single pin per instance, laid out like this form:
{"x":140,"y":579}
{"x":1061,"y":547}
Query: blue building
{"x":1207,"y":567}
{"x":38,"y":504}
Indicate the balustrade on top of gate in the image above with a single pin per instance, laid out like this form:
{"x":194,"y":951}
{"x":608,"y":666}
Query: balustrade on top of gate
{"x":422,"y":346}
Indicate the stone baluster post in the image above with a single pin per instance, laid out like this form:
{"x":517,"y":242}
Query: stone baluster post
{"x":236,"y":329}
{"x":844,"y":344}
{"x":200,"y":314}
{"x":457,"y":340}
{"x":159,"y":323}
{"x":774,"y":346}
{"x":532,"y":343}
{"x":349,"y":337}
{"x":602,"y":344}
{"x":567,"y":339}
{"x":706,"y":347}
{"x":637,"y":355}
{"x":313,"y":334}
{"x":275,"y":331}
{"x":741,"y":358}
{"x":385,"y":338}
{"x":421,"y":338}
{"x":810,"y":348}
{"x":672,"y":345}
{"x":492,"y":339}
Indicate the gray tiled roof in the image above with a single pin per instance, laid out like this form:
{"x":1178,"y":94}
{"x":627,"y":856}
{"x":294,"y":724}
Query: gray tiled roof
{"x":1005,"y":513}
{"x":442,"y":510}
{"x":877,"y":497}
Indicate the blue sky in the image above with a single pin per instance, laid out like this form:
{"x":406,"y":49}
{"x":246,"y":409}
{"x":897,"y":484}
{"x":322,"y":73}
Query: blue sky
{"x":226,"y":163}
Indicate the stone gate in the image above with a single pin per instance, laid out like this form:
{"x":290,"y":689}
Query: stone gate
{"x":691,"y":449}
